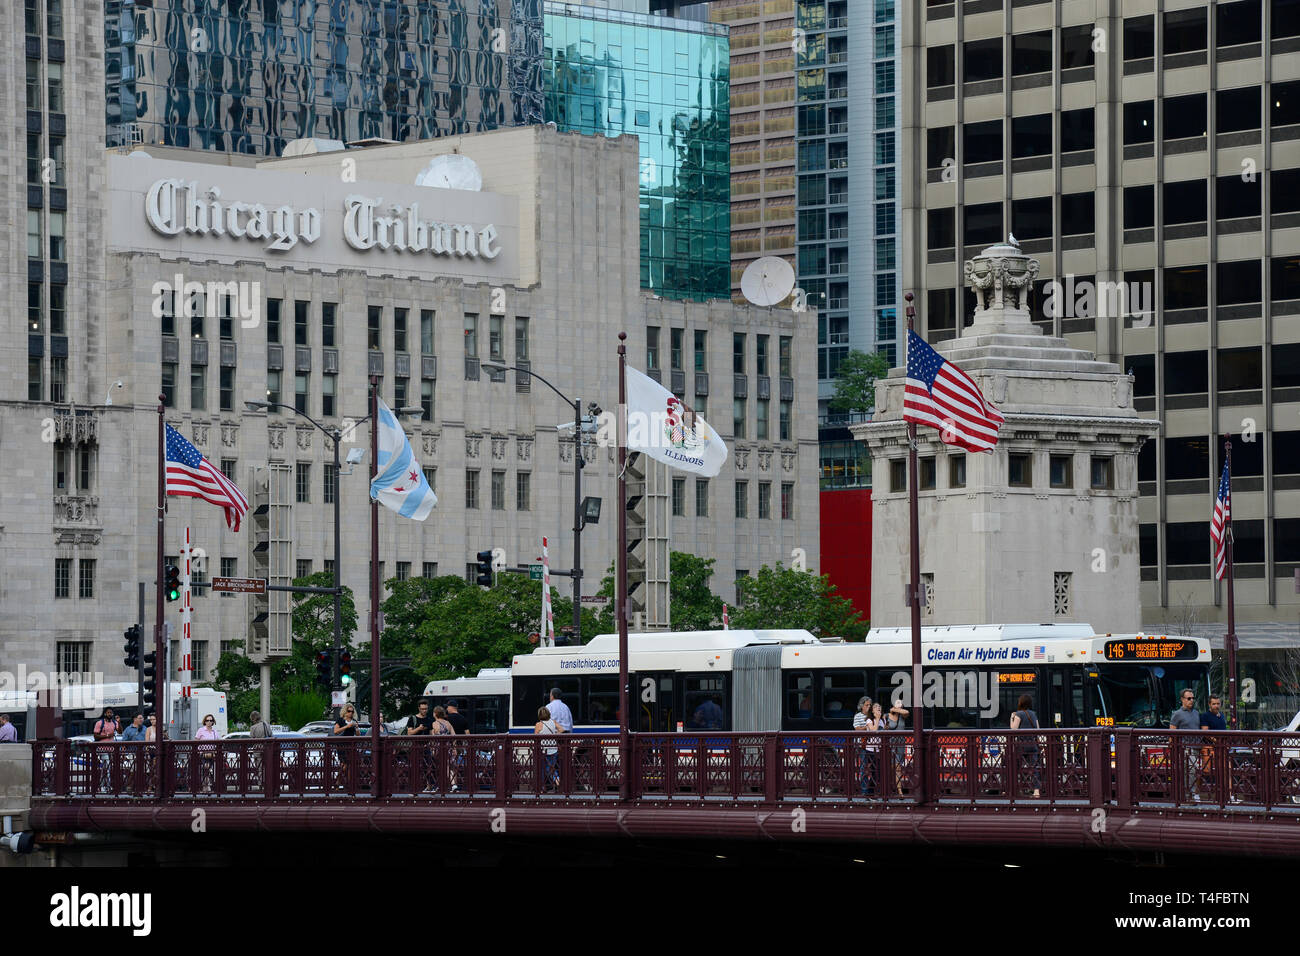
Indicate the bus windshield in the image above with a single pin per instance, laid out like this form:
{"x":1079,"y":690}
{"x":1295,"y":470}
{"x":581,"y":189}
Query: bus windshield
{"x":1146,"y":695}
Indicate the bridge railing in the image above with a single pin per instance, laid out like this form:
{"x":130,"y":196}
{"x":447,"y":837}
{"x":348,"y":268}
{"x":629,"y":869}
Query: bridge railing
{"x":1099,"y":766}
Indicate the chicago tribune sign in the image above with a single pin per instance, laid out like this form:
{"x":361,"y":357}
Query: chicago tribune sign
{"x":175,"y":206}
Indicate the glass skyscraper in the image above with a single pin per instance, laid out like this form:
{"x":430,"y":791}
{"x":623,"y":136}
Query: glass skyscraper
{"x":248,"y":76}
{"x":666,"y":81}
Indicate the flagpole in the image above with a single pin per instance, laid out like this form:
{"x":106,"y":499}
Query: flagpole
{"x":914,"y":591}
{"x":374,"y":587}
{"x":620,"y":590}
{"x":1231,"y":639}
{"x":160,"y":653}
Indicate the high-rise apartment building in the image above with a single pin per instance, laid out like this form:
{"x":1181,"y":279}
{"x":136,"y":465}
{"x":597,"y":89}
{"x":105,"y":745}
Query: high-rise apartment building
{"x":611,"y":72}
{"x":762,"y":131}
{"x":240,"y":77}
{"x":1149,"y":157}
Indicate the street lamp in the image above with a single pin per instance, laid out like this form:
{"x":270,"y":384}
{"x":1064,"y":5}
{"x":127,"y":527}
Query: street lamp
{"x":584,"y":510}
{"x":336,"y":437}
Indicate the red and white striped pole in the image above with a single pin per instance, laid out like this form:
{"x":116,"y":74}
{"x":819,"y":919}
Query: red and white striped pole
{"x":548,"y":621}
{"x":726,"y":621}
{"x":185,"y":669}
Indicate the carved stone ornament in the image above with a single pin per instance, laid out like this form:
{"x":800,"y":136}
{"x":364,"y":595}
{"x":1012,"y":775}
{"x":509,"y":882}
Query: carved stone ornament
{"x":73,"y":426}
{"x":742,"y":459}
{"x":787,"y":460}
{"x":304,"y":438}
{"x":1001,"y":277}
{"x":77,"y":538}
{"x":566,"y":450}
{"x":1123,"y":387}
{"x":229,"y":435}
{"x":199,"y":434}
{"x":524,"y":449}
{"x":275,"y":437}
{"x":471,"y":445}
{"x":764,"y":459}
{"x":430,"y":443}
{"x":1000,"y":388}
{"x":589,"y":452}
{"x":499,"y":447}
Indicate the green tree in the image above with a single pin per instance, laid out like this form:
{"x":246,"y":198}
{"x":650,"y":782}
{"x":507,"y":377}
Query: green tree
{"x":692,"y":606}
{"x":855,"y":381}
{"x":782,"y":597}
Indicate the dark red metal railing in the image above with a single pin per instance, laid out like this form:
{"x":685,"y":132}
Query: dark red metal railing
{"x":1097,"y":767}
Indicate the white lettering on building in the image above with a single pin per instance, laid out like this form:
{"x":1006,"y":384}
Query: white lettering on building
{"x":173,"y":206}
{"x":400,"y":228}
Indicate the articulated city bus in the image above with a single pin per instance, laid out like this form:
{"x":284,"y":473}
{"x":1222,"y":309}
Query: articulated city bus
{"x":789,"y":680}
{"x":484,"y":700}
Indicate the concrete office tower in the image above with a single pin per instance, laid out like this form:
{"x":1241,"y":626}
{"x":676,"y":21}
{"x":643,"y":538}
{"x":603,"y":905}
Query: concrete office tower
{"x":763,"y":51}
{"x":241,"y":77}
{"x":1044,"y":528}
{"x":1154,"y":145}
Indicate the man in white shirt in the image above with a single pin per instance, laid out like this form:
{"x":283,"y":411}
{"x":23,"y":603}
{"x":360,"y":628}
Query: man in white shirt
{"x":560,"y":712}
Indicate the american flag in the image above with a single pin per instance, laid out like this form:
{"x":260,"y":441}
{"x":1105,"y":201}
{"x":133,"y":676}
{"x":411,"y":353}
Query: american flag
{"x":1040,"y":652}
{"x":942,"y":395}
{"x":191,"y":475}
{"x":1219,"y":523}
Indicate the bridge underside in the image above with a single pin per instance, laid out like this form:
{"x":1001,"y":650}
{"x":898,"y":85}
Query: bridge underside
{"x":1143,"y":830}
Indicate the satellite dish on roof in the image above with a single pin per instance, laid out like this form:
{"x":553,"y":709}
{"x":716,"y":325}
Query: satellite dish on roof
{"x":767,"y":281}
{"x":309,"y":146}
{"x":451,"y":172}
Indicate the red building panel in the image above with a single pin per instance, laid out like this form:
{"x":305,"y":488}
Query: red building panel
{"x":846,"y":544}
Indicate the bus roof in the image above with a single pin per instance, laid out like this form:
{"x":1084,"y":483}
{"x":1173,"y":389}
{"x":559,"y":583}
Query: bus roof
{"x":686,"y":641}
{"x":981,"y":633}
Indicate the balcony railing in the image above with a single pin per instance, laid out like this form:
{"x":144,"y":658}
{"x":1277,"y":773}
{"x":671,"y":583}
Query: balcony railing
{"x":838,"y":232}
{"x":834,"y":128}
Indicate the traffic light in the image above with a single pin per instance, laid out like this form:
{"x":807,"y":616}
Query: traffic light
{"x":323,"y":676}
{"x":131,"y":649}
{"x":484,"y":569}
{"x":345,"y":667}
{"x":150,"y":681}
{"x":172,"y":583}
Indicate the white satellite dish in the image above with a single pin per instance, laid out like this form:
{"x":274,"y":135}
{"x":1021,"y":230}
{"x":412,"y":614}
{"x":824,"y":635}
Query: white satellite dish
{"x":767,"y":281}
{"x":451,"y":172}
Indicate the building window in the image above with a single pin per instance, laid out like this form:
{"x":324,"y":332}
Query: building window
{"x":58,"y":245}
{"x":301,"y":387}
{"x":329,"y":570}
{"x":331,"y":473}
{"x":701,"y":497}
{"x":429,"y":569}
{"x":304,"y":482}
{"x":738,"y":353}
{"x":169,"y":384}
{"x":926,"y":475}
{"x":523,"y":491}
{"x":1061,"y":471}
{"x":471,"y":489}
{"x":228,"y":469}
{"x":1103,"y":473}
{"x":701,"y":351}
{"x":761,"y":342}
{"x":272,"y":320}
{"x":738,"y":418}
{"x":272,"y":386}
{"x":85,"y":468}
{"x":229,"y":569}
{"x":471,"y":572}
{"x":300,"y":321}
{"x":227,"y":388}
{"x":675,"y":350}
{"x":957,"y":471}
{"x":787,"y":501}
{"x":58,"y":310}
{"x":35,"y":385}
{"x":73,"y":657}
{"x":785,"y":359}
{"x":399,"y":329}
{"x":897,"y":475}
{"x":786,"y":430}
{"x":33,"y":84}
{"x":741,"y":575}
{"x":1061,"y":586}
{"x":498,"y":491}
{"x":35,"y":235}
{"x":426,"y":399}
{"x":328,"y":319}
{"x":742,"y":499}
{"x":651,"y":347}
{"x":329,"y":386}
{"x":35,"y":307}
{"x":54,"y":83}
{"x":302,"y":568}
{"x":471,"y":335}
{"x":521,"y":338}
{"x":86,"y":578}
{"x":496,"y":348}
{"x":426,"y":331}
{"x":1020,"y":472}
{"x":374,"y":327}
{"x":58,"y":379}
{"x":197,"y":311}
{"x":765,"y":500}
{"x":403,"y":570}
{"x":62,"y":577}
{"x":761,"y":432}
{"x":679,"y":497}
{"x":198,"y":387}
{"x":431,"y":477}
{"x":401,"y":386}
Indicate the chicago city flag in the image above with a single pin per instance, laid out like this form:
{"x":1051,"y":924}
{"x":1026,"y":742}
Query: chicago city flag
{"x":659,"y":424}
{"x":399,"y":480}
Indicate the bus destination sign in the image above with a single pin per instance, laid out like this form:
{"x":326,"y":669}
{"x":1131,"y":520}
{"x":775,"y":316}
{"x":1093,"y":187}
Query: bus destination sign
{"x":1151,"y":650}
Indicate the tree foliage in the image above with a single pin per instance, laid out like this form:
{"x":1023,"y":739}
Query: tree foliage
{"x":782,"y":597}
{"x":693,"y":606}
{"x":855,"y":382}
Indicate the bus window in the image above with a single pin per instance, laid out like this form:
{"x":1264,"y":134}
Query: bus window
{"x":602,"y":700}
{"x":704,"y":701}
{"x":1011,"y":684}
{"x":489,"y":715}
{"x":798,"y":695}
{"x":530,"y":693}
{"x":841,"y":691}
{"x":652,"y":703}
{"x":1127,"y":695}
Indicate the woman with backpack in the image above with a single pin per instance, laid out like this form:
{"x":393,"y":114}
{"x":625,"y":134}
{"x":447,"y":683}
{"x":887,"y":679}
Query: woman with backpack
{"x":1025,"y":719}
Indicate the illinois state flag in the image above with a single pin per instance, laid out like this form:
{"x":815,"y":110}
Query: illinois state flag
{"x":399,"y":480}
{"x":659,"y":424}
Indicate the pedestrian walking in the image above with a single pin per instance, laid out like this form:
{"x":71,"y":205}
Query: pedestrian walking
{"x":208,"y":752}
{"x":868,"y":760}
{"x":257,"y":726}
{"x":560,"y":712}
{"x":1025,"y":719}
{"x":1186,"y":718}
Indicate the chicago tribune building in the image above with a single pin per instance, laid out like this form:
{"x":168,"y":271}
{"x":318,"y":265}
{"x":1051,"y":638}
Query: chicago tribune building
{"x":216,"y":279}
